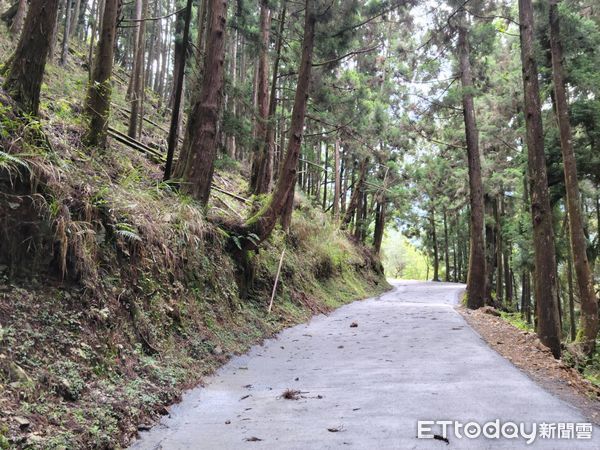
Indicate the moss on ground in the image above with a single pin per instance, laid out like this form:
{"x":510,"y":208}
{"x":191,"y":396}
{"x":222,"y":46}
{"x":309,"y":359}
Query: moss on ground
{"x":517,"y":321}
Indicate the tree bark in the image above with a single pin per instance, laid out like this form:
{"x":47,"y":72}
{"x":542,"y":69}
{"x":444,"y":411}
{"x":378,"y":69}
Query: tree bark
{"x":100,"y":89}
{"x":95,"y":15}
{"x":174,"y":126}
{"x":336,"y":187}
{"x":288,"y":209}
{"x":325,"y":180}
{"x":231,"y":144}
{"x":151,"y":48}
{"x":178,"y":48}
{"x":75,"y":18}
{"x":446,"y":247}
{"x":507,"y":274}
{"x":499,"y":250}
{"x":204,"y":116}
{"x":262,"y":163}
{"x":264,"y":221}
{"x":545,"y":283}
{"x":53,"y":35}
{"x":356,"y":192}
{"x":26,"y":71}
{"x":17,"y":24}
{"x":137,"y":92}
{"x":490,"y":248}
{"x":572,"y":326}
{"x":526,"y":296}
{"x":270,"y":133}
{"x":67,"y":32}
{"x":380,"y":212}
{"x":476,"y":276}
{"x":436,"y":259}
{"x":589,"y":302}
{"x":133,"y":47}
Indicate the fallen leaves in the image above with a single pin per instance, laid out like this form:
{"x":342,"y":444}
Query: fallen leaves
{"x":526,"y":351}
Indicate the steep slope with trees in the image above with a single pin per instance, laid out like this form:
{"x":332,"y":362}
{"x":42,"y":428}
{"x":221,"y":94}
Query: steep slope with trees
{"x":159,"y":158}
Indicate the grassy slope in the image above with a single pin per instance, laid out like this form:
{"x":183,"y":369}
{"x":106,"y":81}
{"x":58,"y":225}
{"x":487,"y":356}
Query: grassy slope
{"x":116,"y":293}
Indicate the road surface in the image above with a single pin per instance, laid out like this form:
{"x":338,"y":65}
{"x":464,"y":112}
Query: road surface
{"x":410,"y":357}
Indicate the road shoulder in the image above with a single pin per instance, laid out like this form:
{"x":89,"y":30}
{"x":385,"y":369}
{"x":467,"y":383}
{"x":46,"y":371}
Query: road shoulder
{"x":524,"y":350}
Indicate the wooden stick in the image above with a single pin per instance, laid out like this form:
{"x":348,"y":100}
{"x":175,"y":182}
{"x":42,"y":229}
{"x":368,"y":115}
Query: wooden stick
{"x":231,"y":194}
{"x":276,"y":281}
{"x":135,"y":144}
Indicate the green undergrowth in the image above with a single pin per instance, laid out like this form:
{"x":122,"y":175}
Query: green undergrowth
{"x":516,"y":320}
{"x":118,"y":292}
{"x":592,"y":370}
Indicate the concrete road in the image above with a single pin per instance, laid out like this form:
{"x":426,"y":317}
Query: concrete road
{"x":411,"y":357}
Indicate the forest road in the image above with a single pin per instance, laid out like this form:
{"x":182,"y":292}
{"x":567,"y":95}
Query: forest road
{"x":409,"y":357}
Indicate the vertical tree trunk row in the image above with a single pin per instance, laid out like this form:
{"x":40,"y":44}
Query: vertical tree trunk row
{"x":583,"y":275}
{"x":545,"y":283}
{"x":476,"y":277}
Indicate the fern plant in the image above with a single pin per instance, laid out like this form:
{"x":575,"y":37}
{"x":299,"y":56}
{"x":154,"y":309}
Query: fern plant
{"x":127,"y":232}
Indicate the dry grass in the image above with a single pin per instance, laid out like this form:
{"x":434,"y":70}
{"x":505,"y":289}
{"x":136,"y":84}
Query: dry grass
{"x":291,"y":394}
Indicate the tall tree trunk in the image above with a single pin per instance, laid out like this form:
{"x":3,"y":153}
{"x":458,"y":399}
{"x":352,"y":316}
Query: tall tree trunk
{"x":490,"y":248}
{"x":459,"y":266}
{"x":75,"y":18}
{"x":572,"y":326}
{"x":436,"y":259}
{"x":379,"y":224}
{"x":288,"y":209}
{"x":67,"y":32}
{"x":507,"y":274}
{"x":99,"y":91}
{"x":526,"y":296}
{"x":17,"y":24}
{"x":178,"y":47}
{"x":356,"y":192}
{"x":164,"y":61}
{"x":360,"y":212}
{"x":455,"y":256}
{"x":325,"y":180}
{"x":151,"y":48}
{"x":476,"y":276}
{"x":545,"y":284}
{"x":446,"y":247}
{"x":204,"y":116}
{"x":173,"y":137}
{"x":270,"y":133}
{"x":499,"y":250}
{"x":137,"y":76}
{"x":53,"y":35}
{"x":133,"y":47}
{"x":344,"y":176}
{"x":262,"y":224}
{"x":262,"y":164}
{"x":336,"y":186}
{"x":231,"y":145}
{"x":583,"y":275}
{"x":26,"y":66}
{"x":95,"y":12}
